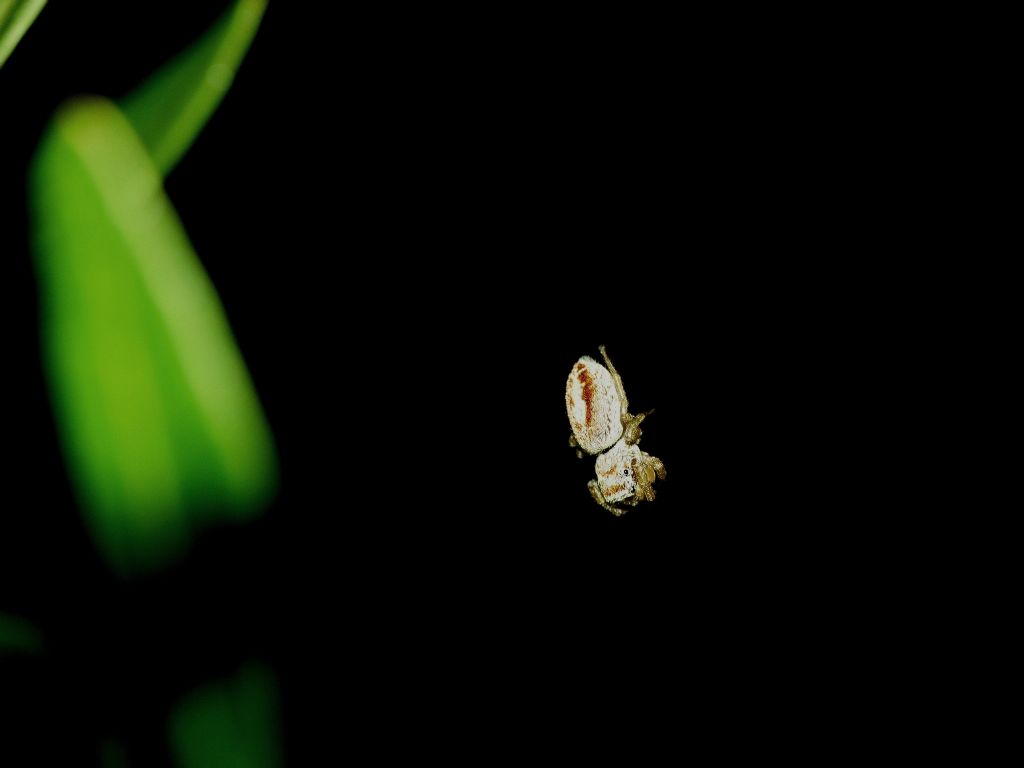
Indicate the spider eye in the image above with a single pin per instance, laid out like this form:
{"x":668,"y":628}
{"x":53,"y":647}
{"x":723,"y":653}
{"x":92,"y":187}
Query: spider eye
{"x":625,"y":471}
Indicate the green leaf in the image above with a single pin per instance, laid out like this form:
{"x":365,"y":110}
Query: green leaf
{"x":16,"y":16}
{"x":170,"y":108}
{"x":161,"y":427}
{"x":229,"y":723}
{"x":17,"y":635}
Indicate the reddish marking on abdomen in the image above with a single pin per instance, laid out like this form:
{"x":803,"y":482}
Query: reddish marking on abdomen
{"x":613,"y":489}
{"x":588,"y":392}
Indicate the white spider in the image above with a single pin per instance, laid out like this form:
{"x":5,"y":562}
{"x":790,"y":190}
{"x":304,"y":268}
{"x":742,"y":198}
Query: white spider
{"x":601,"y":424}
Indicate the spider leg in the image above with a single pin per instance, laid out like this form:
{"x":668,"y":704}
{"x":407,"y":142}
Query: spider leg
{"x":596,"y":494}
{"x":618,"y":384}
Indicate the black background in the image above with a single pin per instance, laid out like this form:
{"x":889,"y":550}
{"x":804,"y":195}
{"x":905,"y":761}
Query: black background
{"x":417,"y":222}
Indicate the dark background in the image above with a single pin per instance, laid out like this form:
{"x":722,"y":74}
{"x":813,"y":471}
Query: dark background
{"x":417,"y":222}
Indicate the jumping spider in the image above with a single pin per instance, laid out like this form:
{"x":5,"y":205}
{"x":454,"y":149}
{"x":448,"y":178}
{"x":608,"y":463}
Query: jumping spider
{"x":601,"y":424}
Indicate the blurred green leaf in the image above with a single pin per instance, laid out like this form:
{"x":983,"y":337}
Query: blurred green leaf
{"x":112,"y":755}
{"x":229,"y":723}
{"x":17,"y":635}
{"x":170,"y":108}
{"x":160,"y":424}
{"x":16,"y":16}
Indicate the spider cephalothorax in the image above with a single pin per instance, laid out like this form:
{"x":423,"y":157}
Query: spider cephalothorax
{"x":602,"y":425}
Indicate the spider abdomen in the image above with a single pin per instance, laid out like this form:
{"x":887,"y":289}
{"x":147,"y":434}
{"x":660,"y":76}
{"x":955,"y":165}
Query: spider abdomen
{"x":593,"y":405}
